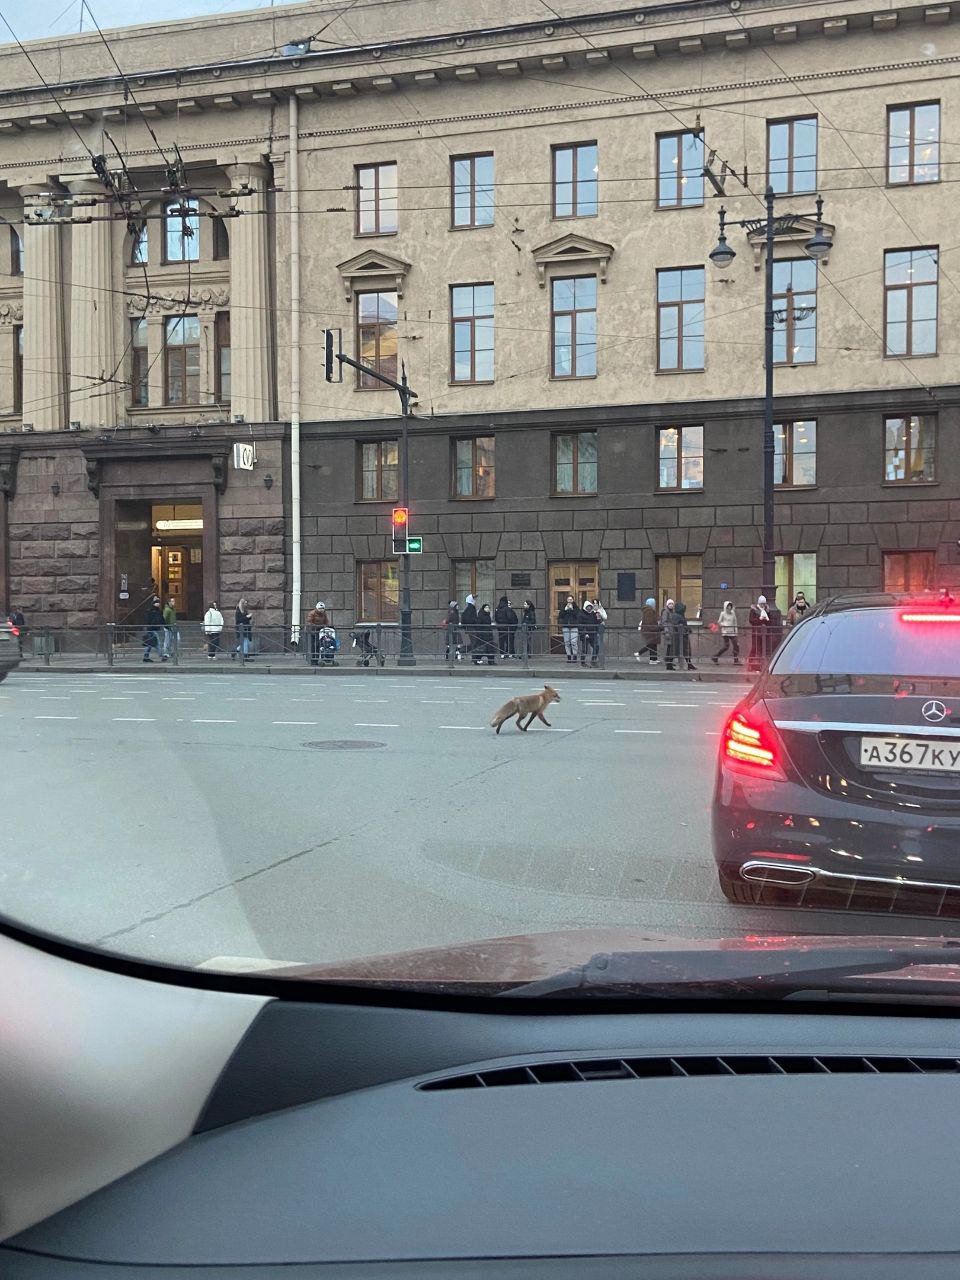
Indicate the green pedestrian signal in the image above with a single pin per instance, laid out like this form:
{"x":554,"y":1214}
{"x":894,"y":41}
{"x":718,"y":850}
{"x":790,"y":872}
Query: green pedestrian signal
{"x":414,"y":546}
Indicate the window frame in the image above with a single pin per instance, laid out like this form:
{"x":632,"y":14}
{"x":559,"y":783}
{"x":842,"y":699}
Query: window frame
{"x":220,"y":239}
{"x":789,"y":326}
{"x":680,"y":305}
{"x":678,"y":135}
{"x":889,"y":289}
{"x":178,"y":350}
{"x":680,"y":487}
{"x":473,"y":441}
{"x":194,"y":204}
{"x":473,"y":224}
{"x":791,"y":122}
{"x":912,"y":107}
{"x":789,"y":561}
{"x":573,"y":374}
{"x":930,"y":552}
{"x":473,"y":562}
{"x":575,"y":148}
{"x":359,"y":578}
{"x":374,"y":384}
{"x":575,"y":491}
{"x":18,"y":369}
{"x":790,"y":453}
{"x":139,"y":363}
{"x":16,"y":252}
{"x":221,"y":322}
{"x":661,"y":591}
{"x":934,"y":424}
{"x":376,"y":167}
{"x":471,"y":320}
{"x":379,"y":470}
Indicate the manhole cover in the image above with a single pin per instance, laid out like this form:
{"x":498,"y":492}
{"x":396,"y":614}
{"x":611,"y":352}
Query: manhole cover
{"x":344,"y":744}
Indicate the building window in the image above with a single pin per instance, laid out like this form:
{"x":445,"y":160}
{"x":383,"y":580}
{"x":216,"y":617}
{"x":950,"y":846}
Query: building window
{"x":681,"y":578}
{"x":378,"y":471}
{"x":574,"y":463}
{"x":18,"y":368}
{"x":680,"y":458}
{"x":795,"y":453}
{"x":16,"y":252}
{"x":221,"y":240}
{"x":181,"y":227}
{"x":376,"y":199}
{"x":913,"y":144}
{"x":910,"y":301}
{"x":679,"y":170}
{"x":221,"y":337}
{"x":909,"y":449}
{"x":793,"y":573}
{"x":575,"y":171}
{"x":471,"y":333}
{"x":140,"y":370}
{"x":471,"y":190}
{"x":181,"y":360}
{"x":680,"y":319}
{"x":378,"y":591}
{"x":795,"y":311}
{"x":140,"y":245}
{"x":792,"y":155}
{"x":475,"y":578}
{"x":377,"y":336}
{"x":473,"y":467}
{"x":909,"y":571}
{"x":573,"y":326}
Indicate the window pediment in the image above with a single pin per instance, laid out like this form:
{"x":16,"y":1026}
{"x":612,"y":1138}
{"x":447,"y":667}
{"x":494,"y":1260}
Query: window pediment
{"x":372,"y":268}
{"x":573,"y":251}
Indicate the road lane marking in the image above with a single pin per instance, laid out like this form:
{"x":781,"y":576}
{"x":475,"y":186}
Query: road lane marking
{"x":600,"y":704}
{"x":638,"y":731}
{"x":240,"y":699}
{"x":294,"y":722}
{"x":55,"y":717}
{"x":370,"y":724}
{"x":134,"y":719}
{"x":369,"y":702}
{"x":54,"y":697}
{"x":213,"y":722}
{"x":438,"y":702}
{"x":463,"y":726}
{"x":178,"y":698}
{"x":113,"y":697}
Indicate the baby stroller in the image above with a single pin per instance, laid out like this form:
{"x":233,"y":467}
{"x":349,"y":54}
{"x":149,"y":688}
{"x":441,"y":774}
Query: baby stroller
{"x":360,"y":640}
{"x":327,"y":648}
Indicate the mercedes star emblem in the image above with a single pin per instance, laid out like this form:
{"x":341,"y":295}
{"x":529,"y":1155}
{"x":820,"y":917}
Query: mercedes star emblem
{"x":934,"y":710}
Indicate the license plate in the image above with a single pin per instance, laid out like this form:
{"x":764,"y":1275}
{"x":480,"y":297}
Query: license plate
{"x":910,"y":753}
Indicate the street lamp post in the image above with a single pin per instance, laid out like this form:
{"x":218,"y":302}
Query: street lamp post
{"x":722,"y":255}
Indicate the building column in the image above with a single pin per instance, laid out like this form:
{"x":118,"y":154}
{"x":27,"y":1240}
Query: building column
{"x":44,"y":365}
{"x":93,"y":305}
{"x":251,"y":372}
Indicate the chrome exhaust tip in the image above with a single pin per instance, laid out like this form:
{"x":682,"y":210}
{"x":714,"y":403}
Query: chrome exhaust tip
{"x":775,"y":873}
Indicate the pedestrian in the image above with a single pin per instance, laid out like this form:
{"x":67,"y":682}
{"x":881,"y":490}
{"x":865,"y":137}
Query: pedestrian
{"x":528,"y":624}
{"x":16,"y":619}
{"x":797,"y":610}
{"x":213,"y":628}
{"x":567,"y":619}
{"x":452,"y":624}
{"x":169,"y":628}
{"x":666,"y":630}
{"x":485,"y":637}
{"x":759,"y":621}
{"x":152,"y":626}
{"x":601,"y":613}
{"x":468,"y":621}
{"x":649,"y":629}
{"x":506,"y":619}
{"x":243,"y":624}
{"x":727,"y":626}
{"x":316,"y":618}
{"x":680,"y":641}
{"x":773,"y":632}
{"x":587,"y":632}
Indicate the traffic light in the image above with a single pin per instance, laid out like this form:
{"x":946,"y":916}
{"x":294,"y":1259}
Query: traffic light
{"x":332,"y":346}
{"x":401,"y":518}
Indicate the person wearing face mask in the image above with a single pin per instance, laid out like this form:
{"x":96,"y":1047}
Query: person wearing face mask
{"x":759,"y":621}
{"x":567,"y":619}
{"x":797,"y":610}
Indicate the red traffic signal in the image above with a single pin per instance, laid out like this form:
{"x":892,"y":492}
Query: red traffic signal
{"x":400,"y":517}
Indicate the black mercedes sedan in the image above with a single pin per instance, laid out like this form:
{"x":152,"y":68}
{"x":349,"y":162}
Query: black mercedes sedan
{"x":838,"y":780}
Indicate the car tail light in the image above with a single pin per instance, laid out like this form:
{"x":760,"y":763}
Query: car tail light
{"x":929,"y":615}
{"x":750,"y":744}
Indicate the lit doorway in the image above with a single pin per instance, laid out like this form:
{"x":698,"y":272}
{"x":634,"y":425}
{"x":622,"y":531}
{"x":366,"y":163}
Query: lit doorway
{"x":577,"y":578}
{"x":681,"y":578}
{"x":176,"y":557}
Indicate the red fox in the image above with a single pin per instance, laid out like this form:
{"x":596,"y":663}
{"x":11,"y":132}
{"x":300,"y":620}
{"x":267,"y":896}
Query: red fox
{"x":530,"y":705}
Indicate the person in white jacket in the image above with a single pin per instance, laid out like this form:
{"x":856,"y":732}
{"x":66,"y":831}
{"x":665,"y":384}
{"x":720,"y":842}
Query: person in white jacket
{"x":213,"y":629}
{"x":728,"y":628}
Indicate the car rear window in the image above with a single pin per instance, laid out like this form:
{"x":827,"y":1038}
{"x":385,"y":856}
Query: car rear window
{"x":870,"y":642}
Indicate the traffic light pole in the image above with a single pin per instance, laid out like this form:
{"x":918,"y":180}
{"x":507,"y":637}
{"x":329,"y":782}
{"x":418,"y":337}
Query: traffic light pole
{"x":402,"y":388}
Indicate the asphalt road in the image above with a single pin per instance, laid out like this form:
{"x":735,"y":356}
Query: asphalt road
{"x":188,"y":818}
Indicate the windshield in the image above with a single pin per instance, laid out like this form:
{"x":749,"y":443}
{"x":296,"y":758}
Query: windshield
{"x":398,"y":526}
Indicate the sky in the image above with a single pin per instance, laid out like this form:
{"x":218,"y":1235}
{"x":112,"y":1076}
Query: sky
{"x":43,"y":19}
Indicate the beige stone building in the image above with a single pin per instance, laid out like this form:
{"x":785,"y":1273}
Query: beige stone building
{"x":522,"y":210}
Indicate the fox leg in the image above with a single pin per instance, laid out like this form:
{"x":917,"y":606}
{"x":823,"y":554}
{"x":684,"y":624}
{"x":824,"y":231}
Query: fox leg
{"x":499,"y":725}
{"x":543,"y":718}
{"x":526,"y":726}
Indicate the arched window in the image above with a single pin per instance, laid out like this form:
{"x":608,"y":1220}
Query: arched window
{"x":181,"y":231}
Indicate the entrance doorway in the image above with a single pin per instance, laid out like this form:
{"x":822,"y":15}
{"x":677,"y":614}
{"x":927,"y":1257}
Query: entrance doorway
{"x":577,"y":578}
{"x":159,"y":551}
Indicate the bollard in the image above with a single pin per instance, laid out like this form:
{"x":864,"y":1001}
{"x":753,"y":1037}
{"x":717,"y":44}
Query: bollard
{"x":379,"y":643}
{"x":111,"y":627}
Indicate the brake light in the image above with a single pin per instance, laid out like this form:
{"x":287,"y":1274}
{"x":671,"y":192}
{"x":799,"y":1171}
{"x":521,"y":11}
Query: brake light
{"x":927,"y":616}
{"x":752,"y":744}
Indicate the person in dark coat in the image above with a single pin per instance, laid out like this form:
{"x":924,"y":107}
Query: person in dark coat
{"x":506,"y":620}
{"x":759,"y":621}
{"x":680,"y":639}
{"x":587,"y":624}
{"x":16,"y":619}
{"x":774,"y":631}
{"x":452,"y":624}
{"x":528,"y":624}
{"x":243,"y":622}
{"x":485,"y":636}
{"x":649,"y":629}
{"x":666,"y":630}
{"x":152,"y":627}
{"x":316,"y":618}
{"x":567,"y":618}
{"x":468,"y":620}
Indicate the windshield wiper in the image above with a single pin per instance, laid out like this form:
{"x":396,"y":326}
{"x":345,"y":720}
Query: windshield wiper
{"x":751,"y":974}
